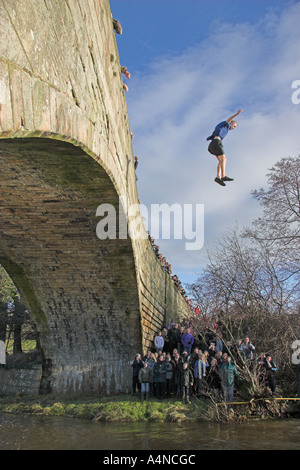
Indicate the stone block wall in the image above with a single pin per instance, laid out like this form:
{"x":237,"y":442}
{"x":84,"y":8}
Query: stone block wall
{"x":20,"y":381}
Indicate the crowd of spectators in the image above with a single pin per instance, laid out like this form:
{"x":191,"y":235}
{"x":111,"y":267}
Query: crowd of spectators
{"x":185,"y":363}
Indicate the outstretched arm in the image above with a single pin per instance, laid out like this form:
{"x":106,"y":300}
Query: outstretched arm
{"x":235,"y":115}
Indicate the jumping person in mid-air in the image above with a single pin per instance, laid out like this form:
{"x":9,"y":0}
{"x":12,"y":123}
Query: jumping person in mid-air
{"x":216,"y":146}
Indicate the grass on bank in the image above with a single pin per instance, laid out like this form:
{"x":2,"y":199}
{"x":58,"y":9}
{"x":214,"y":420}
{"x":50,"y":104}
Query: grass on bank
{"x":125,"y":408}
{"x":122,"y":408}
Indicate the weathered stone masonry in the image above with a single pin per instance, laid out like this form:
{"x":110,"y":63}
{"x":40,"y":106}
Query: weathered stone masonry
{"x":65,"y":148}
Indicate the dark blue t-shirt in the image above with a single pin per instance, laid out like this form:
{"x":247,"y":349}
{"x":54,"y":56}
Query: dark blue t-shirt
{"x":221,"y":130}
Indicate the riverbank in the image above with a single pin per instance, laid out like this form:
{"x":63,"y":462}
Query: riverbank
{"x":108,"y":409}
{"x":124,"y":408}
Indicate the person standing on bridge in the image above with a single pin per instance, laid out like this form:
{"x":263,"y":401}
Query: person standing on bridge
{"x":117,"y":26}
{"x":216,"y":147}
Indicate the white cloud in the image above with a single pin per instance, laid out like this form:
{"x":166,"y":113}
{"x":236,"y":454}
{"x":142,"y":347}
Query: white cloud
{"x":175,"y":107}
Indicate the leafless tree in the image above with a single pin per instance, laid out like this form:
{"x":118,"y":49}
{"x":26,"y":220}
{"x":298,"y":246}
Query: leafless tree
{"x":278,"y":231}
{"x":253,"y":276}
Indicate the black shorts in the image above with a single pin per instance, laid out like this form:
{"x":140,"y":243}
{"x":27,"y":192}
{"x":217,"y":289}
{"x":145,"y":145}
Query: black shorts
{"x":216,"y":147}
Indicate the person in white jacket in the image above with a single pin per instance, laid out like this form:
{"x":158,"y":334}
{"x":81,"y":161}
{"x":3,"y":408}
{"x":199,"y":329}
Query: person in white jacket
{"x":159,"y":342}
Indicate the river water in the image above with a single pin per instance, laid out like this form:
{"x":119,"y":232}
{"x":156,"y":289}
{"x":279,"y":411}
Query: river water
{"x":27,"y":432}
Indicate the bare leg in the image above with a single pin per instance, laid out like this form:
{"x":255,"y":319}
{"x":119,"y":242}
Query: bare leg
{"x":221,"y":173}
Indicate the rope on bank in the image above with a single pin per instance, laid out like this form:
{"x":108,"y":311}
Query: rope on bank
{"x":257,"y":399}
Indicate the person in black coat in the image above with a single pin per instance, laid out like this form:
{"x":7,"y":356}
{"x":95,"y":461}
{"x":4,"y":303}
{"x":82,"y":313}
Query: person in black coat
{"x":187,"y":380}
{"x":213,"y":378}
{"x":271,"y":369}
{"x":136,"y":365}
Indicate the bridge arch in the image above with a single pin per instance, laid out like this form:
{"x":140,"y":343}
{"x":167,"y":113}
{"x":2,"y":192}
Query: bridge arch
{"x":82,"y":291}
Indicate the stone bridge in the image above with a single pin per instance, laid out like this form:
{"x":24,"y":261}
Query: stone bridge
{"x":65,"y":149}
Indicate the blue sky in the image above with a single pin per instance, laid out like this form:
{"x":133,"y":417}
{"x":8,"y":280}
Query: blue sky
{"x":194,"y":63}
